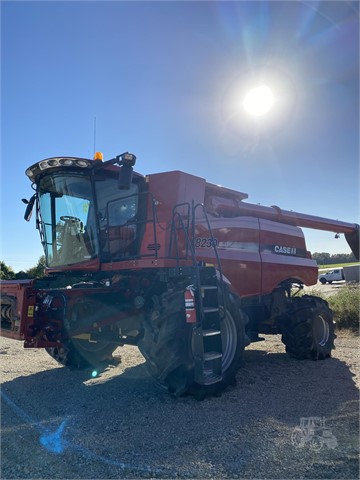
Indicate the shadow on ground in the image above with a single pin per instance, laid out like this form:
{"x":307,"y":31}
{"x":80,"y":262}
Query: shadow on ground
{"x":121,"y":426}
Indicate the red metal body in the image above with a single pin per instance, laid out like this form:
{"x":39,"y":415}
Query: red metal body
{"x":186,"y":221}
{"x":259,"y":247}
{"x":19,"y":295}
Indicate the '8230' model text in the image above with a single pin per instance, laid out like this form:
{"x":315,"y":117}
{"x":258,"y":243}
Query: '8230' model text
{"x":206,"y":242}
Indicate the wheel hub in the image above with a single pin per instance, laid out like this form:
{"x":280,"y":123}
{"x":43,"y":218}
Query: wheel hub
{"x":321,"y":331}
{"x":229,"y":340}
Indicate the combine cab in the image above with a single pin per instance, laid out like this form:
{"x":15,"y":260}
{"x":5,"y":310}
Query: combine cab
{"x":184,"y":269}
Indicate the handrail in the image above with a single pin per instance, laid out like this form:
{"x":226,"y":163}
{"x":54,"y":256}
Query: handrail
{"x":190,"y":243}
{"x":218,"y":261}
{"x":211,"y":235}
{"x":185,"y":229}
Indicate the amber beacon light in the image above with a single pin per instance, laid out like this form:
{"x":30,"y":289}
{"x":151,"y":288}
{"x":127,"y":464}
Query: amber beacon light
{"x":98,"y":156}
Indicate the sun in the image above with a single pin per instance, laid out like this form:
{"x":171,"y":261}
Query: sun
{"x":259,"y":101}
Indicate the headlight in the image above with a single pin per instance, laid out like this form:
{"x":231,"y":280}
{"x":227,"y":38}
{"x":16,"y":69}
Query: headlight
{"x":127,"y":159}
{"x":81,"y":163}
{"x":54,"y":162}
{"x":30,"y":172}
{"x":66,"y":161}
{"x":34,"y":170}
{"x":43,"y":165}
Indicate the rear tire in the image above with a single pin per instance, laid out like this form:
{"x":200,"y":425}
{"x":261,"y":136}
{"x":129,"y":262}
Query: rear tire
{"x":309,"y":330}
{"x":167,"y":346}
{"x":81,"y":354}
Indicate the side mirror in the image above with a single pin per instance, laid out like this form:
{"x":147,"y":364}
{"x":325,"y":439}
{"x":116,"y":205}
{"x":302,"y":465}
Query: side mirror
{"x":126,"y":161}
{"x":125,"y":177}
{"x":30,"y":206}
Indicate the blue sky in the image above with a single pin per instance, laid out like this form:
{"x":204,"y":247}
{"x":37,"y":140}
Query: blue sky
{"x":165,"y":80}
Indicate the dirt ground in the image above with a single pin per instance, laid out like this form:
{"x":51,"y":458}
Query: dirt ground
{"x":284,"y":419}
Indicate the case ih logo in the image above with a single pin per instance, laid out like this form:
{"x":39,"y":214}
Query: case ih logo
{"x":285,"y":250}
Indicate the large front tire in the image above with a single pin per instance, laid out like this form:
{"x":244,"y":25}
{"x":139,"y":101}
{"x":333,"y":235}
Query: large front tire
{"x":308,"y":331}
{"x":167,"y":345}
{"x":81,"y":354}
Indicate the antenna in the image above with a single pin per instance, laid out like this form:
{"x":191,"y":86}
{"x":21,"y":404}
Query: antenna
{"x":94,"y":135}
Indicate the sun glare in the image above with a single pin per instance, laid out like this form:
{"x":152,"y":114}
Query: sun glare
{"x":259,"y":101}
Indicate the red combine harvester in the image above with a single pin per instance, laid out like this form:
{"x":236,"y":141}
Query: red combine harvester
{"x":184,"y":269}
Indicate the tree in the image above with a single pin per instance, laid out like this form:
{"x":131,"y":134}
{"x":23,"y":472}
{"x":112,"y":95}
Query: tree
{"x":6,"y":272}
{"x":322,"y":258}
{"x":21,"y":275}
{"x":38,"y":270}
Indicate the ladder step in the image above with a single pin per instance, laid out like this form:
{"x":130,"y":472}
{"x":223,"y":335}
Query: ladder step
{"x":208,"y":356}
{"x":210,"y":309}
{"x":210,"y":378}
{"x":208,"y":287}
{"x":210,"y":332}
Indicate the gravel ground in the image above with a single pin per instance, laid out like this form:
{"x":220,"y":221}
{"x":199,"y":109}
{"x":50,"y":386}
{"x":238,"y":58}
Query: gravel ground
{"x":62,"y":424}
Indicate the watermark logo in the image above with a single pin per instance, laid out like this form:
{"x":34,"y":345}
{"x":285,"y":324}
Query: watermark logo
{"x":313,"y":433}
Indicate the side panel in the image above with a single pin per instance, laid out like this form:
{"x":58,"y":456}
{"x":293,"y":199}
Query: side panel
{"x":284,"y":255}
{"x":170,"y":190}
{"x":173,"y":188}
{"x":237,"y":242}
{"x":256,"y":254}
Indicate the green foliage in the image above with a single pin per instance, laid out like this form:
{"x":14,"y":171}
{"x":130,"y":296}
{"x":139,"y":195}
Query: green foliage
{"x":345,"y":304}
{"x":337,"y":265}
{"x":321,"y":258}
{"x":325,"y":258}
{"x":38,"y":270}
{"x":21,"y":275}
{"x":6,"y":272}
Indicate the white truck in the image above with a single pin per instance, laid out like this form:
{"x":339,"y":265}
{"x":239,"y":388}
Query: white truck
{"x":336,"y":275}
